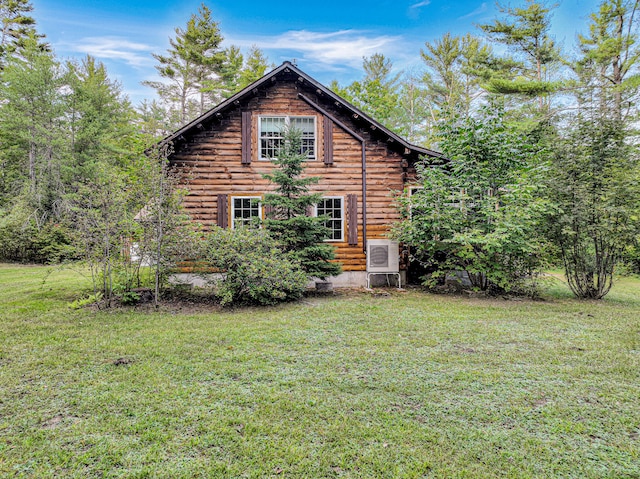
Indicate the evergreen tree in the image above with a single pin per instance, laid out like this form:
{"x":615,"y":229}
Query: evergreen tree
{"x":377,"y":93}
{"x":254,"y":68}
{"x":608,"y":67}
{"x":17,"y":26}
{"x":526,"y":33}
{"x":32,"y":117}
{"x":228,"y":81}
{"x":456,"y":69}
{"x":300,"y":235}
{"x":190,"y":66}
{"x":100,"y":117}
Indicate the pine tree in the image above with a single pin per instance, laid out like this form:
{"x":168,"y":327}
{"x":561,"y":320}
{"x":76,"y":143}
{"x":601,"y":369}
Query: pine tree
{"x":377,"y":93}
{"x":228,"y":81}
{"x":610,"y":56}
{"x":31,"y":137}
{"x":254,"y":68}
{"x":300,"y":235}
{"x":190,"y":65}
{"x":526,"y":33}
{"x":100,"y":116}
{"x":17,"y":26}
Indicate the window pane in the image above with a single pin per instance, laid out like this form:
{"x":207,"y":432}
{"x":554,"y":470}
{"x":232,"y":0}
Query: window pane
{"x":332,"y":207}
{"x":244,"y":210}
{"x":271,"y":136}
{"x":307,"y":128}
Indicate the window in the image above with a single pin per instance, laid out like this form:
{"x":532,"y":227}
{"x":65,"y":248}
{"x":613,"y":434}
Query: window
{"x":244,"y":209}
{"x":333,"y":208}
{"x":272,"y":130}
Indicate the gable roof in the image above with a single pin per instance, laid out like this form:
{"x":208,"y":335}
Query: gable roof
{"x":289,"y":69}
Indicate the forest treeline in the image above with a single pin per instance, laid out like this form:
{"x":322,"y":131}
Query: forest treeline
{"x":542,"y":143}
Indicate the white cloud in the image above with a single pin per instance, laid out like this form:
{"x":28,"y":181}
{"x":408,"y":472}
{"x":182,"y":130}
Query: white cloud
{"x":335,"y":50}
{"x":481,"y":9}
{"x":115,"y":48}
{"x":421,"y":4}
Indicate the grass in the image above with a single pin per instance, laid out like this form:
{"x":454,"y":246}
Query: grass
{"x":409,"y":385}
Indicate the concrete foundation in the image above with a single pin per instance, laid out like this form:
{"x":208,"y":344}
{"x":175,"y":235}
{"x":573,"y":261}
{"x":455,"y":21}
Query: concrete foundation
{"x":347,"y":279}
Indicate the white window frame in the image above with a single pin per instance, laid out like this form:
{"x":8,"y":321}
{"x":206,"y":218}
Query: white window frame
{"x":233,"y":208}
{"x":287,"y":122}
{"x":342,"y":217}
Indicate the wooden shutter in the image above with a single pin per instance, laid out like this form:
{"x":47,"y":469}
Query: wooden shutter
{"x":246,"y":137}
{"x":268,"y":211}
{"x":223,"y":211}
{"x":352,"y":219}
{"x":328,"y":141}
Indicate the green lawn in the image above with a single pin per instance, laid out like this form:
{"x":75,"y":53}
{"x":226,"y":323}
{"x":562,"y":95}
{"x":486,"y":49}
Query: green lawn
{"x":407,"y":385}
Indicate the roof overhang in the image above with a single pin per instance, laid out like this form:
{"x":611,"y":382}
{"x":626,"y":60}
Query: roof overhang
{"x":287,"y":68}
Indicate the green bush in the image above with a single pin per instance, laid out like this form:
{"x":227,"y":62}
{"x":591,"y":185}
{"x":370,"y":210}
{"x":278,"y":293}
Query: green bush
{"x":253,"y":270}
{"x":24,"y":241}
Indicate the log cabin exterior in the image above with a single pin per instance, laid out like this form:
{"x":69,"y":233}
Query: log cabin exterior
{"x":361,"y":163}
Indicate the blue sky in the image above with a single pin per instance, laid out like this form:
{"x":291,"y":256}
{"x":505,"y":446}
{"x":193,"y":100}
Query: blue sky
{"x":328,"y":39}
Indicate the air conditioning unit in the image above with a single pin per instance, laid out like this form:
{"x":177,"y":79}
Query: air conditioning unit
{"x":383,"y":256}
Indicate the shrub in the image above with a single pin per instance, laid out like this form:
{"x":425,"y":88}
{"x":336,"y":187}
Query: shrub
{"x":253,"y":270}
{"x":24,"y":241}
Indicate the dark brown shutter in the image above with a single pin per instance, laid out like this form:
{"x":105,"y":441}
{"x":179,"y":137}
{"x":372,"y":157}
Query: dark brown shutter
{"x":328,"y":141}
{"x":268,"y":211}
{"x":246,"y":137}
{"x":352,"y":219}
{"x":223,"y":216}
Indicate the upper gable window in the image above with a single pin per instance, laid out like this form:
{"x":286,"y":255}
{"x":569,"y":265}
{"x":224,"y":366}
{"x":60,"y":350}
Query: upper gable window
{"x":272,"y":132}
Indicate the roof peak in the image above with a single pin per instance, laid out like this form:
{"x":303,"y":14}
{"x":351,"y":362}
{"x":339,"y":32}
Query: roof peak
{"x":234,"y":101}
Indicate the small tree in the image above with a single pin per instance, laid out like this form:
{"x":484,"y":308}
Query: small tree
{"x":594,"y":180}
{"x":167,"y":235}
{"x":300,"y":235}
{"x":482,"y":212}
{"x":101,"y":210}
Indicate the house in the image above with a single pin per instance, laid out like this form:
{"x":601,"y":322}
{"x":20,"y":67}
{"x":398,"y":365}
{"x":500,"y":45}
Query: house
{"x":360,"y":162}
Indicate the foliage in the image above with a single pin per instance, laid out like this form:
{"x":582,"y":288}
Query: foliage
{"x":237,"y":72}
{"x":32,"y":139}
{"x":88,"y":300}
{"x":254,"y":68}
{"x":526,"y":32}
{"x":608,"y":66}
{"x":189,"y":66}
{"x":594,"y":181}
{"x":25,"y":240}
{"x":229,"y":73}
{"x":377,"y":93}
{"x":103,"y":215}
{"x":18,"y":26}
{"x":481,"y":212}
{"x":166,"y":235}
{"x":253,"y":268}
{"x":456,"y":67}
{"x":299,"y":235}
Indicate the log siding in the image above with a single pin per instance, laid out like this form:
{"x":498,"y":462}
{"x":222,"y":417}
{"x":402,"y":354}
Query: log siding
{"x":221,"y":161}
